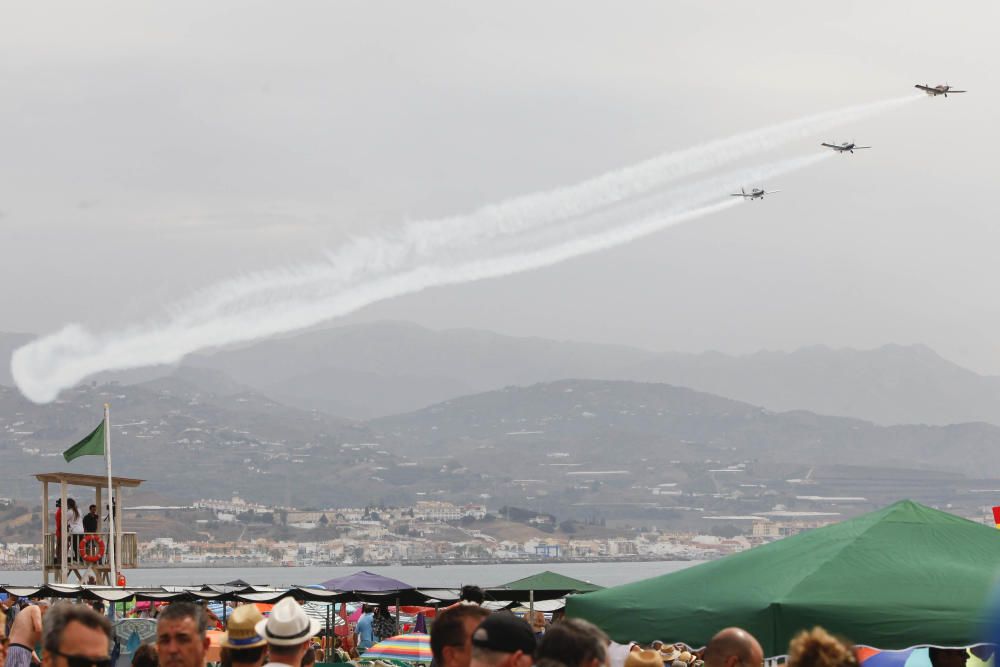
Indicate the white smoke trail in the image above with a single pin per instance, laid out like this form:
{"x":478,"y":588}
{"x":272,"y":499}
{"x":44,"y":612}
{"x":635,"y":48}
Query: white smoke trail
{"x":420,"y":239}
{"x":323,"y":291}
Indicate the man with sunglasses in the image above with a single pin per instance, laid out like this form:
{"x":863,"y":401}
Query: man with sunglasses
{"x":24,"y":635}
{"x":74,"y":635}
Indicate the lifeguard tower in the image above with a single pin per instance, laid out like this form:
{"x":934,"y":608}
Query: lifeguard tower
{"x":60,"y":562}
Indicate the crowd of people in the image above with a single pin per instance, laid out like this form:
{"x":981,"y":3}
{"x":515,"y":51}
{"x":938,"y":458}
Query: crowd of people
{"x":463,"y":635}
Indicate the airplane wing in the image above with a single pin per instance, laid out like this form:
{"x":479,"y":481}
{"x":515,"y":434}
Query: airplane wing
{"x":834,"y":146}
{"x":857,"y":148}
{"x":771,"y":192}
{"x":957,"y":91}
{"x":926,"y":88}
{"x":738,"y":194}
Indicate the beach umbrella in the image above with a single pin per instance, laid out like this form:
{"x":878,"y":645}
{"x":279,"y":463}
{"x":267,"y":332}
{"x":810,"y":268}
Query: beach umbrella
{"x":367,"y":582}
{"x":414,"y":647}
{"x":133,"y":632}
{"x":911,"y":657}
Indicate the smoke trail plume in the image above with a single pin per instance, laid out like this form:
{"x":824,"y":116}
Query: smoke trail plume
{"x":421,"y":239}
{"x":268,"y":303}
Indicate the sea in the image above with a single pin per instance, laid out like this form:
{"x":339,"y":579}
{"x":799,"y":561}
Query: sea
{"x":435,"y":576}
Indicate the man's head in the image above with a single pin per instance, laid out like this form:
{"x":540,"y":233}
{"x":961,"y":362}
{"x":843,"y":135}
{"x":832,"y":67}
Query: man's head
{"x":180,"y":635}
{"x":451,"y":634}
{"x":503,"y":640}
{"x":241,"y":642}
{"x":575,"y":643}
{"x":733,"y":647}
{"x":288,"y":631}
{"x":75,"y":635}
{"x":93,"y":509}
{"x":473,"y":594}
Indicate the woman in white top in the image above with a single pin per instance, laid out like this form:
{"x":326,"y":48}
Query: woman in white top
{"x":74,"y":525}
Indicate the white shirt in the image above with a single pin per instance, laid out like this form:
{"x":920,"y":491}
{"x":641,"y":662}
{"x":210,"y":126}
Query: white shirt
{"x":617,"y":653}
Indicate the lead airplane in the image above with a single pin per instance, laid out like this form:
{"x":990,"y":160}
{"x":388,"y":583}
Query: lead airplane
{"x":755,"y":193}
{"x":942,"y":89}
{"x":846,"y":147}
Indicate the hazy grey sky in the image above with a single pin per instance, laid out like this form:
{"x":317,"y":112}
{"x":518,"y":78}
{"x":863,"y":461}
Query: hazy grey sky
{"x":148,"y":149}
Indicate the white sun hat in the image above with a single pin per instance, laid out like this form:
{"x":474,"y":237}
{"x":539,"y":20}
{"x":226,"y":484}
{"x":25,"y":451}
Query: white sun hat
{"x":288,"y":625}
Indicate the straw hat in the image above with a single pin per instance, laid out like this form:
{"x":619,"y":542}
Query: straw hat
{"x":686,"y":656}
{"x":241,"y":628}
{"x":669,"y":653}
{"x":644,"y":659}
{"x":288,"y":625}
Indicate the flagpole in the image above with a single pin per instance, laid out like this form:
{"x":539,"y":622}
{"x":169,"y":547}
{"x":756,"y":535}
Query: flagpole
{"x":111,"y":498}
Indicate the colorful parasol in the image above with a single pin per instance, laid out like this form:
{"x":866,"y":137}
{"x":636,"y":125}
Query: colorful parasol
{"x":910,"y":657}
{"x":414,"y":647}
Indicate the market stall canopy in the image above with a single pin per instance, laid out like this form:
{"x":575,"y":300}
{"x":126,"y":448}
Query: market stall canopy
{"x":542,"y":586}
{"x":364,"y":586}
{"x":368,"y":582}
{"x":899,"y":577}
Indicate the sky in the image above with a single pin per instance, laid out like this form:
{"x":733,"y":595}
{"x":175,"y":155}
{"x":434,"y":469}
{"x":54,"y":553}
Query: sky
{"x":150,"y":150}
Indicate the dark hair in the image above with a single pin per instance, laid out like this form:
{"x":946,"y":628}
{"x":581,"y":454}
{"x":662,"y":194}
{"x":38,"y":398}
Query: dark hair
{"x":472,"y":594}
{"x":146,"y":656}
{"x":573,"y":642}
{"x":71,"y":505}
{"x":449,"y":628}
{"x":309,"y":657}
{"x":228,"y":656}
{"x":175,"y":611}
{"x":61,"y":615}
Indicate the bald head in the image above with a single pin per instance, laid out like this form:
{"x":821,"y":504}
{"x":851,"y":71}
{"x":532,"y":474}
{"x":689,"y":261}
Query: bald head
{"x":733,"y":647}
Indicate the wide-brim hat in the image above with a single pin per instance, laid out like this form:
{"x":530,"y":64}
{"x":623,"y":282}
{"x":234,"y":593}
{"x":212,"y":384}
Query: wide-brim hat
{"x":669,"y":653}
{"x":241,"y":629}
{"x":288,"y":625}
{"x":647,"y":658}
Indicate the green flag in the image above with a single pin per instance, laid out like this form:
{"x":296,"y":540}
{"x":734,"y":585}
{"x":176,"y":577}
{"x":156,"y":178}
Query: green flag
{"x":93,"y":444}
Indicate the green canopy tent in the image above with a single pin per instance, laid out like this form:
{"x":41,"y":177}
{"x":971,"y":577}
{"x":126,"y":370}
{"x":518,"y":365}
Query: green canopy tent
{"x":898,"y":577}
{"x":542,"y":586}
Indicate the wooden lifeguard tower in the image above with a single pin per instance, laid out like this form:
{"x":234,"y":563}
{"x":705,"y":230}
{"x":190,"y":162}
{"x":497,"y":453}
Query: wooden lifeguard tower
{"x":61,"y":562}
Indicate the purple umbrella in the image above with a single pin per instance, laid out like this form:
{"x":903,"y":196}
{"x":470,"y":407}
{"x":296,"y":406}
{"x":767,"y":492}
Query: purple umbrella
{"x":367,"y":582}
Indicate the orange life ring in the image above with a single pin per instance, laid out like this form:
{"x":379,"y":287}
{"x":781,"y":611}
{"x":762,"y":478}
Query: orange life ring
{"x":85,"y":554}
{"x":121,"y":580}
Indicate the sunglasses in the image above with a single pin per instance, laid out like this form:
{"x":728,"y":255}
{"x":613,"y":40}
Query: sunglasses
{"x":84,"y":661}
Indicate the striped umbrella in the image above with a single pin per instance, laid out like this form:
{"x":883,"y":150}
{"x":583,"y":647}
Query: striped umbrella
{"x":414,"y":647}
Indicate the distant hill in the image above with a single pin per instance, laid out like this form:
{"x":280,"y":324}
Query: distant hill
{"x":571,"y":447}
{"x":192,"y":435}
{"x":370,"y":370}
{"x":892,"y":384}
{"x":639,"y":426}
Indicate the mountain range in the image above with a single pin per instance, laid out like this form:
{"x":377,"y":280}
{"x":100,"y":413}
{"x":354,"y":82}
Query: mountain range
{"x":365,"y":371}
{"x":567,"y":446}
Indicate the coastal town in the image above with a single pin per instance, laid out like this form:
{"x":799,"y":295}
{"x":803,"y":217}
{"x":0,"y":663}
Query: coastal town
{"x":239,"y":532}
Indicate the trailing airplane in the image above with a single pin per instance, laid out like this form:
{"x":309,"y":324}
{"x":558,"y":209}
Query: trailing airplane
{"x":755,"y":193}
{"x":846,"y":147}
{"x":942,"y":89}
